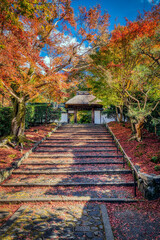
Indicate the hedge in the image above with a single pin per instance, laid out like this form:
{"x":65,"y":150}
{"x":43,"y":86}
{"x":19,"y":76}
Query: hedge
{"x":36,"y":113}
{"x":5,"y":120}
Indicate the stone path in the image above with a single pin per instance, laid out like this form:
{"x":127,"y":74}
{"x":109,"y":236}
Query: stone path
{"x":80,"y":221}
{"x":79,"y":164}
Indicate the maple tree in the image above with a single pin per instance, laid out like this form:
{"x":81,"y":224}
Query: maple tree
{"x":126,"y":71}
{"x":30,"y":27}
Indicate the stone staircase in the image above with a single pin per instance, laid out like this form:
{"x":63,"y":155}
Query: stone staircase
{"x":76,"y":163}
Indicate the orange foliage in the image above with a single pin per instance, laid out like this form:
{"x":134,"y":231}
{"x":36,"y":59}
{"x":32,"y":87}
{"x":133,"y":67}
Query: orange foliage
{"x":29,"y":26}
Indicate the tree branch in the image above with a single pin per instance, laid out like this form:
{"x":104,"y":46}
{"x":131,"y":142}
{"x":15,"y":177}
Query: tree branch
{"x":155,"y":105}
{"x":151,"y":56}
{"x":133,"y":98}
{"x":11,"y":92}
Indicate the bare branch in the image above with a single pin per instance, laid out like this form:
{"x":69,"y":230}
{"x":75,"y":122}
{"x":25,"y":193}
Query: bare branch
{"x":146,"y":97}
{"x":155,"y":105}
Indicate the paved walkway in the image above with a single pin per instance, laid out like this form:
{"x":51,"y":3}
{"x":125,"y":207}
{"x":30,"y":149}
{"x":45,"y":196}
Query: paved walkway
{"x":74,"y":168}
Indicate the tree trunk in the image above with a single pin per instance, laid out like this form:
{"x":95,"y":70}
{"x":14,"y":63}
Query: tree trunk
{"x":139,"y":127}
{"x":18,"y":121}
{"x":132,"y":126}
{"x":119,"y":114}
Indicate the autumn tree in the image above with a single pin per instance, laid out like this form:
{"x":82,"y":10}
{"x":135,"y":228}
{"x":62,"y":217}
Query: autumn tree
{"x":126,"y":70}
{"x":144,"y":90}
{"x":30,"y":27}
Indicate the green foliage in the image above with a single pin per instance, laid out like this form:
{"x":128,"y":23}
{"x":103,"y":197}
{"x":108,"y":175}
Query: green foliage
{"x":141,"y":146}
{"x":84,"y":117}
{"x":157,"y":168}
{"x":38,"y":113}
{"x":155,"y":159}
{"x":35,"y":114}
{"x":12,"y":156}
{"x":138,"y":154}
{"x":5,"y":120}
{"x":152,"y":123}
{"x":110,"y":112}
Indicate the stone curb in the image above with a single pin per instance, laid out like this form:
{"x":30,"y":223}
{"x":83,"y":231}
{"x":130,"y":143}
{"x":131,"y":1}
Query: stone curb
{"x":149,"y":185}
{"x":106,"y":223}
{"x":5,"y":173}
{"x":4,"y":228}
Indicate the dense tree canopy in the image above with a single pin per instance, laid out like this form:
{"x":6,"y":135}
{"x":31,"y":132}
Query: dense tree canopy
{"x":126,"y":71}
{"x":29,"y":27}
{"x":44,"y":45}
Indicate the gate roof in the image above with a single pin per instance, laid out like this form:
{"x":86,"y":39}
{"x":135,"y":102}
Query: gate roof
{"x":83,"y":100}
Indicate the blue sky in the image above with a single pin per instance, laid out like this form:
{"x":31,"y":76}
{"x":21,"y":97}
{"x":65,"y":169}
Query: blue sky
{"x":118,"y":9}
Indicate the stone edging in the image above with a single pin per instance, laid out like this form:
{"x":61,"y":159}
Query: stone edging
{"x":5,"y":173}
{"x":149,"y":185}
{"x":106,"y":223}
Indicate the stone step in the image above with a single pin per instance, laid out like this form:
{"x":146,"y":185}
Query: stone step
{"x":90,"y":125}
{"x":71,"y":167}
{"x":73,"y":150}
{"x":73,"y":156}
{"x":61,"y":171}
{"x":74,"y":139}
{"x":83,"y":131}
{"x":20,"y":184}
{"x":47,"y":145}
{"x":79,"y":192}
{"x":54,"y":162}
{"x":69,"y":180}
{"x":63,"y":141}
{"x":70,"y":199}
{"x":65,"y":193}
{"x":80,"y":134}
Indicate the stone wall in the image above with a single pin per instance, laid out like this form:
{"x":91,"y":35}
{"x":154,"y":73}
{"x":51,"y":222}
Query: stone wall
{"x":149,"y":185}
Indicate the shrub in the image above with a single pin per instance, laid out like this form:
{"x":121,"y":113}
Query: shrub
{"x":155,"y":159}
{"x":138,"y":154}
{"x":84,"y":117}
{"x":5,"y":120}
{"x":157,"y":167}
{"x":38,"y":113}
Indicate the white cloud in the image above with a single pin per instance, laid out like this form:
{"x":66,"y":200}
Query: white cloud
{"x":153,"y":1}
{"x":71,"y":42}
{"x":68,"y":41}
{"x":47,"y":60}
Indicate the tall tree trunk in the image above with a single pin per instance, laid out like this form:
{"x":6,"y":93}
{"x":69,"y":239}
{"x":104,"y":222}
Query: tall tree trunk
{"x":139,"y":126}
{"x":120,"y":113}
{"x":117,"y":116}
{"x":18,"y":121}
